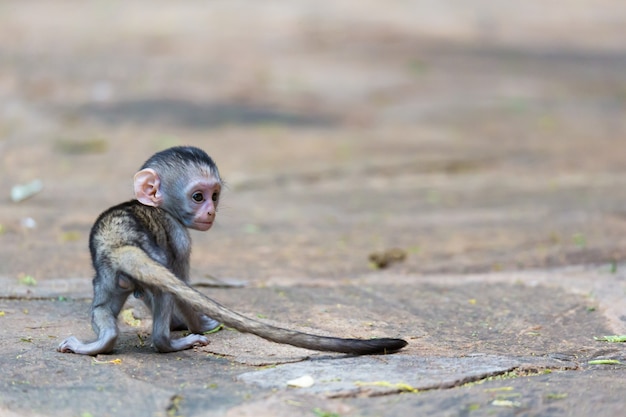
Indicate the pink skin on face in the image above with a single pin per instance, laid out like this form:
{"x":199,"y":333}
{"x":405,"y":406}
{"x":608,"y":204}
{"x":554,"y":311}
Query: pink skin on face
{"x":204,"y":196}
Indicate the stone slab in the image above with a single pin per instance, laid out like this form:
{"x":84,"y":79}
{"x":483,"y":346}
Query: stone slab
{"x":380,"y":375}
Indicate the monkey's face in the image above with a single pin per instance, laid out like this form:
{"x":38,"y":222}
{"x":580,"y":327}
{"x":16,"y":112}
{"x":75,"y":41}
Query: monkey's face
{"x":190,"y":193}
{"x":202,"y":198}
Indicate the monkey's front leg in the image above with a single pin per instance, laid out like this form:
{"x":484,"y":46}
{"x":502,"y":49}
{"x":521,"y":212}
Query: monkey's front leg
{"x":163,"y":306}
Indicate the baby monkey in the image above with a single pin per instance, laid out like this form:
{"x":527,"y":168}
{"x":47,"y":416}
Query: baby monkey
{"x":142,"y":247}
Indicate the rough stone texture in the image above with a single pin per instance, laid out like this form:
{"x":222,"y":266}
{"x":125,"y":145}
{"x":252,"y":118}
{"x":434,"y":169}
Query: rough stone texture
{"x":380,"y":375}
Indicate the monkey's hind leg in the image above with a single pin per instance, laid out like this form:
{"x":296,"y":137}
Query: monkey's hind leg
{"x":163,"y":307}
{"x":186,"y":318}
{"x":106,"y":307}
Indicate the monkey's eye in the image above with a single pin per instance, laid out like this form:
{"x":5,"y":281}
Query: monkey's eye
{"x":198,"y":197}
{"x":215,"y":197}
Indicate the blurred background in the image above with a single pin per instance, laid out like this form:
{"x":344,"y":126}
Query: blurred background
{"x":469,"y":136}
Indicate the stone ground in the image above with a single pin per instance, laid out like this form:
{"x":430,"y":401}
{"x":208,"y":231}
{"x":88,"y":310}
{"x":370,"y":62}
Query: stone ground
{"x":482,"y":140}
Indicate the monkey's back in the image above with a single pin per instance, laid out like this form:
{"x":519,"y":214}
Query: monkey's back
{"x":134,"y":224}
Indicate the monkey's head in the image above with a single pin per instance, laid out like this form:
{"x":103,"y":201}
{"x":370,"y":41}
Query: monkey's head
{"x":185,"y":182}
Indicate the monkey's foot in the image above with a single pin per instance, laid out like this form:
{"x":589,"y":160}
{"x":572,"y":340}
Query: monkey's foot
{"x":68,"y":345}
{"x":182,"y":343}
{"x":104,"y":344}
{"x":73,"y":345}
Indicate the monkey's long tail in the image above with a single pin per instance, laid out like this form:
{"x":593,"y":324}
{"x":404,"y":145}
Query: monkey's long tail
{"x":137,"y":264}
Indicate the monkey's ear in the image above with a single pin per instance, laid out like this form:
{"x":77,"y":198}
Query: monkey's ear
{"x":147,"y":185}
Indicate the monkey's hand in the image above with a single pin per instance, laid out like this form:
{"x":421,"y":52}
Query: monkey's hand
{"x":208,"y":324}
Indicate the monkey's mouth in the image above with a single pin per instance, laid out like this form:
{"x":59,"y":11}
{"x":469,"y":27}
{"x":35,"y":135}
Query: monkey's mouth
{"x":203,"y":225}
